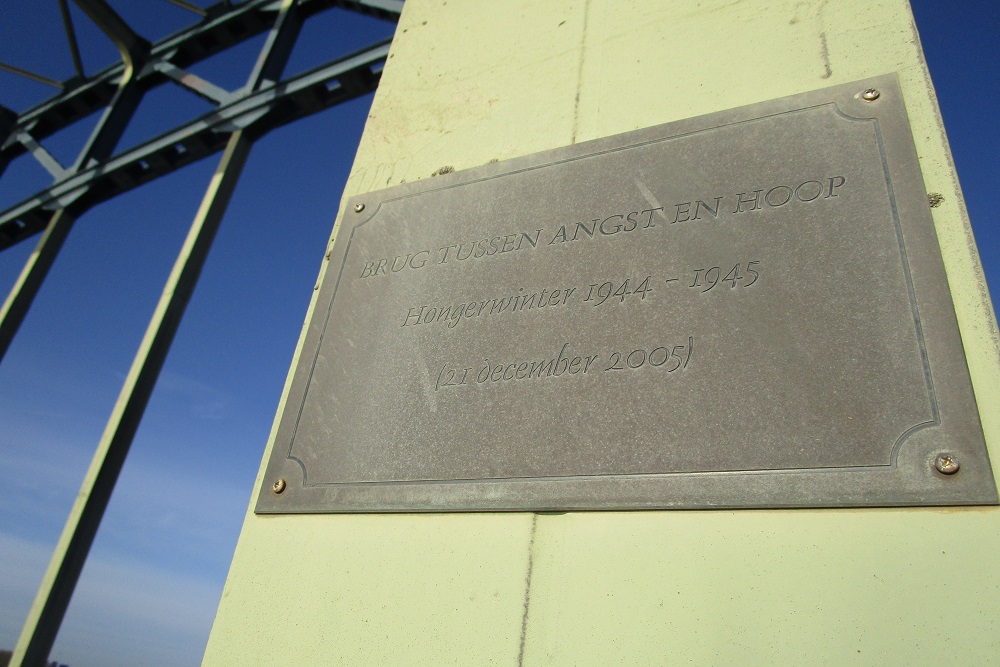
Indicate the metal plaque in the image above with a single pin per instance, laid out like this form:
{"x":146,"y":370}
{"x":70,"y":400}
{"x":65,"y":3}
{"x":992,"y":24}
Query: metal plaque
{"x":745,"y":309}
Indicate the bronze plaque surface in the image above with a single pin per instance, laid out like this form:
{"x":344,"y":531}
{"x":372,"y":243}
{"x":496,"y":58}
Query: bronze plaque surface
{"x":746,"y":309}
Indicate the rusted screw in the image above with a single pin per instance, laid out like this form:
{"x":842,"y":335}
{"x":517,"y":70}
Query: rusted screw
{"x":358,"y":208}
{"x":278,"y":486}
{"x":870,"y":95}
{"x":946,"y":464}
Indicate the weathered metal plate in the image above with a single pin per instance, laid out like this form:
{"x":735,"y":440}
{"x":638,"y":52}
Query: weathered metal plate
{"x":746,"y":309}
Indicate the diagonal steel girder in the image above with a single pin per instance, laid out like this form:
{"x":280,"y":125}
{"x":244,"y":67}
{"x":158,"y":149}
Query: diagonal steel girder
{"x":260,"y":111}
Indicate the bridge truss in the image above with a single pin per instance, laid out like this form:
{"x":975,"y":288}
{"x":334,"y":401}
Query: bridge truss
{"x":101,"y":172}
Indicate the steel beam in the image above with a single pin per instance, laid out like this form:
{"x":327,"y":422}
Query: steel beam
{"x":197,"y":85}
{"x":31,"y":75}
{"x":188,"y":6}
{"x":45,"y":158}
{"x":74,"y":47}
{"x":130,"y":45}
{"x":8,"y":121}
{"x":18,"y":301}
{"x":278,"y":46}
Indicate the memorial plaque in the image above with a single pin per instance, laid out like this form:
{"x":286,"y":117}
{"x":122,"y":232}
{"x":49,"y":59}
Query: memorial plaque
{"x":745,"y":309}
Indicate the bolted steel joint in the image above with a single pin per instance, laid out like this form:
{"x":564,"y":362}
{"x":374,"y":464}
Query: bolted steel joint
{"x":278,"y":486}
{"x":359,"y":207}
{"x":946,"y":464}
{"x":870,"y":95}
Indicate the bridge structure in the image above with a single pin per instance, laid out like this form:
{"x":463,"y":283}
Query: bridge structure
{"x":101,"y":171}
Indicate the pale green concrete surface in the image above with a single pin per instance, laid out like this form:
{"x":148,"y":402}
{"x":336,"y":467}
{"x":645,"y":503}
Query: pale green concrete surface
{"x":471,"y":81}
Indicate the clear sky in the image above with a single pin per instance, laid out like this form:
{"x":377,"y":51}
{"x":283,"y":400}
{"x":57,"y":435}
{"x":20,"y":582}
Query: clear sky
{"x":149,"y":590}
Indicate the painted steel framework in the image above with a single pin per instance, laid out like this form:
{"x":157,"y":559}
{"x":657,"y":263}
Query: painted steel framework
{"x":265,"y":102}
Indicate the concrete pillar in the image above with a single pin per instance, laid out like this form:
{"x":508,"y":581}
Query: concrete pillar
{"x":468,"y":82}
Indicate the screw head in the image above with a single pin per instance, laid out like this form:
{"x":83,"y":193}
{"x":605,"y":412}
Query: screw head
{"x":278,"y":486}
{"x":946,"y":464}
{"x":358,"y":208}
{"x":870,"y":95}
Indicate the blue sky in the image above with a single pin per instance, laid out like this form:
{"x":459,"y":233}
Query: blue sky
{"x":149,"y":591}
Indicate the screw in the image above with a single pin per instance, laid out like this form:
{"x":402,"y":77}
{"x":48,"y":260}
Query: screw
{"x":946,"y":464}
{"x":358,"y":208}
{"x":870,"y":95}
{"x":278,"y":486}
